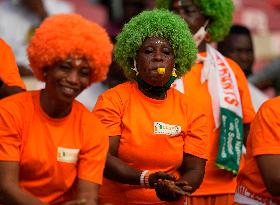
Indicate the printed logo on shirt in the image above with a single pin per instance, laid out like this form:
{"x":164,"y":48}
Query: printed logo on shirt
{"x":163,"y":128}
{"x":67,"y":155}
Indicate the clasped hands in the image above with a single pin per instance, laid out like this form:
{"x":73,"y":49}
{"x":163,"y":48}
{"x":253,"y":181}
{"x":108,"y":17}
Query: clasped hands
{"x":167,"y":188}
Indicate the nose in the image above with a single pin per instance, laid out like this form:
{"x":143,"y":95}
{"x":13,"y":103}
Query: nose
{"x":73,"y":77}
{"x":158,"y":55}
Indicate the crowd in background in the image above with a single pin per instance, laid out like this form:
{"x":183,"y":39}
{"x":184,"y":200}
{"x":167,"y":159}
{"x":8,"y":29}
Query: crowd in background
{"x":17,"y":25}
{"x":217,"y":76}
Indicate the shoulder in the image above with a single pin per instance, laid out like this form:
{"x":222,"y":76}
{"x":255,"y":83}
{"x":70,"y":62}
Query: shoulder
{"x":177,"y":96}
{"x":82,"y":114}
{"x":23,"y":99}
{"x":264,"y":133}
{"x":120,"y":89}
{"x":268,"y":115}
{"x":191,"y":104}
{"x":6,"y":51}
{"x":91,"y":126}
{"x":120,"y":93}
{"x":195,"y":72}
{"x":3,"y":45}
{"x":87,"y":120}
{"x":271,"y":107}
{"x":18,"y":107}
{"x":78,"y":106}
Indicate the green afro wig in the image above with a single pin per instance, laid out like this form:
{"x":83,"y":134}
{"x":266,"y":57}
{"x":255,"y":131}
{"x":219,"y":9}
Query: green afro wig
{"x":156,"y":23}
{"x":219,"y":11}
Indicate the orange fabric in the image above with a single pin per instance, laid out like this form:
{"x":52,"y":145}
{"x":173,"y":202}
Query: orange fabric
{"x":9,"y":73}
{"x":127,"y":112}
{"x":38,"y":143}
{"x":263,"y":139}
{"x":216,"y":181}
{"x":222,"y":199}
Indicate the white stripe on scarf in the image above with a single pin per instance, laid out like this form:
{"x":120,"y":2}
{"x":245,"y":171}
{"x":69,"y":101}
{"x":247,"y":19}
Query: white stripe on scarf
{"x":222,"y":84}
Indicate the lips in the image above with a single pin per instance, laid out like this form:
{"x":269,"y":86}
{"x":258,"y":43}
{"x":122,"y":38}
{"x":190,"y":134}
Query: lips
{"x":68,"y":91}
{"x":155,"y":69}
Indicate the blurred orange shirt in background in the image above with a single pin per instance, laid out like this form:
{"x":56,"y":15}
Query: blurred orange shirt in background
{"x":9,"y":72}
{"x":264,"y":139}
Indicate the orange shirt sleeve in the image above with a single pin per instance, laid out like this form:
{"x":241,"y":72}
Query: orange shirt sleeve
{"x":9,"y":73}
{"x":94,"y":151}
{"x":265,"y":129}
{"x":10,"y":138}
{"x":108,"y":110}
{"x":247,"y":105}
{"x":197,"y":136}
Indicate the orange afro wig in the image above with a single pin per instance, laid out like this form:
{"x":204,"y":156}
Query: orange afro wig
{"x":65,"y":34}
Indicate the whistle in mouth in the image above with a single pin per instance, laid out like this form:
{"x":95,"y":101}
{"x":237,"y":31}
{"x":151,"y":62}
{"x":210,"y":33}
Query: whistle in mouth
{"x":161,"y":71}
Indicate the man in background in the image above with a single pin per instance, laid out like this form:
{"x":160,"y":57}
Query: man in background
{"x":268,"y":77}
{"x":238,"y":45}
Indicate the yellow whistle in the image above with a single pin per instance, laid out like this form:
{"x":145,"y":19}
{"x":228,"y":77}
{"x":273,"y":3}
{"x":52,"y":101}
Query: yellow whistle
{"x":161,"y":71}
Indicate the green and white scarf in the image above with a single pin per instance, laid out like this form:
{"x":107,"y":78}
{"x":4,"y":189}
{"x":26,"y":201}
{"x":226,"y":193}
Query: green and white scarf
{"x":227,"y":108}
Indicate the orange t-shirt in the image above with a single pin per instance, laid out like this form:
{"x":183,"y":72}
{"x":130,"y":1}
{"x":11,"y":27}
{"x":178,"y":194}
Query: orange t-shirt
{"x":9,"y":73}
{"x":154,"y":135}
{"x":51,"y":152}
{"x":264,"y":139}
{"x":216,"y":181}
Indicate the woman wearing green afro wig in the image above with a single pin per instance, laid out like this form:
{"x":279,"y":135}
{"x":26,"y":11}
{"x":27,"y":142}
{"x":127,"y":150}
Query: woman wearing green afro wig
{"x":158,"y":23}
{"x":218,"y":85}
{"x":158,"y":141}
{"x":219,"y":13}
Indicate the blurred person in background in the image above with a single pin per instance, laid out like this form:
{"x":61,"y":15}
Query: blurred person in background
{"x":18,"y":20}
{"x":268,"y":77}
{"x":238,"y":45}
{"x":122,"y":11}
{"x":10,"y":81}
{"x":258,"y":181}
{"x":221,"y":86}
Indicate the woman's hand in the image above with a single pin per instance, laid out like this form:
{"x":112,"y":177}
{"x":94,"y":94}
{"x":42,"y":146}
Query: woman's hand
{"x":154,"y":177}
{"x":167,"y":190}
{"x":184,"y":185}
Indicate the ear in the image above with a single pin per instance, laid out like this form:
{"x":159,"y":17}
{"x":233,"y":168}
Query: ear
{"x":133,"y":64}
{"x":207,"y":37}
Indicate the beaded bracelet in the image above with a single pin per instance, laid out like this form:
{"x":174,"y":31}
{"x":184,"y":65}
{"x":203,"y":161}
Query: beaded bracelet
{"x":146,"y":180}
{"x":142,"y":178}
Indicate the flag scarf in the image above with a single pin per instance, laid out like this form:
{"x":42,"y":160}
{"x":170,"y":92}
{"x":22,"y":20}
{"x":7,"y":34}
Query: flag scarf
{"x":227,"y":108}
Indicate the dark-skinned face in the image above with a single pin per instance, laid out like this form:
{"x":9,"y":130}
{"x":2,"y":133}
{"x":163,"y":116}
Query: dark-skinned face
{"x":155,"y":53}
{"x":36,"y":6}
{"x":239,"y":47}
{"x":190,"y":13}
{"x":66,"y":79}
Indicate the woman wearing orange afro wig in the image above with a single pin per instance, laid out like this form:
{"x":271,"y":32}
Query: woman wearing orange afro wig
{"x":52,"y":150}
